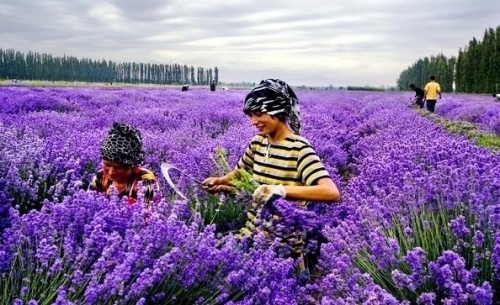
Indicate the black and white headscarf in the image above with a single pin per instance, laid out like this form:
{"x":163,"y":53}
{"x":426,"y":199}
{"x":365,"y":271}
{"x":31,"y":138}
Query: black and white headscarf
{"x":123,"y":145}
{"x":274,"y":97}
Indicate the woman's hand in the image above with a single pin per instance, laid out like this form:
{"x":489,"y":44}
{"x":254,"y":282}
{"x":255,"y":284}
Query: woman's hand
{"x":265,"y":192}
{"x":216,"y":185}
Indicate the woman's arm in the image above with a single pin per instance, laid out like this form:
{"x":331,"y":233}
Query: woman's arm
{"x":227,"y":178}
{"x":325,"y":190}
{"x":317,"y":182}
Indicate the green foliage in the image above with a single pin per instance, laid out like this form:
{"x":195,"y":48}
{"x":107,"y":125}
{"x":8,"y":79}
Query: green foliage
{"x":366,"y":88}
{"x":43,"y":281}
{"x":419,"y":73}
{"x":474,"y":70}
{"x":488,"y":140}
{"x":470,"y":130}
{"x":15,"y":65}
{"x":219,"y":158}
{"x":429,"y":228}
{"x":244,"y":182}
{"x":226,"y":211}
{"x":31,"y":191}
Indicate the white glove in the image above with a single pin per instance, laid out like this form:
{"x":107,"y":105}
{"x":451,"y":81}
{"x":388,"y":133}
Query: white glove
{"x":265,"y":192}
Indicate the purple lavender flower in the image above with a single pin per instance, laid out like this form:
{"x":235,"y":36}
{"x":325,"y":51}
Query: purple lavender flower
{"x":24,"y":290}
{"x":427,"y":298}
{"x":483,"y":295}
{"x":459,"y":226}
{"x":478,"y":239}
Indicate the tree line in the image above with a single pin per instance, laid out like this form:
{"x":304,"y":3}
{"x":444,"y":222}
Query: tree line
{"x":476,"y":69}
{"x":42,"y":66}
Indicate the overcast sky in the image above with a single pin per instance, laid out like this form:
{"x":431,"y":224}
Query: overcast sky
{"x":309,"y":42}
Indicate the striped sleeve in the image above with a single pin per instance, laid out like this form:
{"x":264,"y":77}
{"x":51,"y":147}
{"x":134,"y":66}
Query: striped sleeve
{"x":246,"y":161}
{"x":310,"y":167}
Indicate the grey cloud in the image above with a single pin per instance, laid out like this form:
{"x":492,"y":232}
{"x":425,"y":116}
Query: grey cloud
{"x":144,"y":11}
{"x":358,"y":41}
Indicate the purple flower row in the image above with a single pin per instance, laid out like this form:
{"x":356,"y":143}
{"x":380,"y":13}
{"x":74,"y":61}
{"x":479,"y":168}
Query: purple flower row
{"x":481,"y":110}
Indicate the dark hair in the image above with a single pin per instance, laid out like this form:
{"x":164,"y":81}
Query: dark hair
{"x":412,"y":86}
{"x":494,"y":95}
{"x":432,"y":77}
{"x":280,"y":116}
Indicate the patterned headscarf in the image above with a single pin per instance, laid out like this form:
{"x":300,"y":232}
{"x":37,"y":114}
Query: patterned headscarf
{"x":123,"y":145}
{"x":274,"y":97}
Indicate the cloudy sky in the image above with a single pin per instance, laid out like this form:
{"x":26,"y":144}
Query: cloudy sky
{"x":309,"y":42}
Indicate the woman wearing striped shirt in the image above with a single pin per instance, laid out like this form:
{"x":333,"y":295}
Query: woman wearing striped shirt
{"x":282,"y":162}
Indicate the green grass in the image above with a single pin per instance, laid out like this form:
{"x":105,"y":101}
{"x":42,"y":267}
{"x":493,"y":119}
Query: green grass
{"x":470,"y":130}
{"x":488,"y":140}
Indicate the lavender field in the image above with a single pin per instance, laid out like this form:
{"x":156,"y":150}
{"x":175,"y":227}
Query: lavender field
{"x":419,"y":220}
{"x":480,"y":110}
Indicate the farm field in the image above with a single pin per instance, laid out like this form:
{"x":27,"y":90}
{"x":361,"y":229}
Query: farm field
{"x":481,"y":110}
{"x":419,"y":220}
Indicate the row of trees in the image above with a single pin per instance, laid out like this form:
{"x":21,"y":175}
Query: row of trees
{"x":41,"y":66}
{"x":418,"y":74}
{"x":476,"y":69}
{"x":478,"y":65}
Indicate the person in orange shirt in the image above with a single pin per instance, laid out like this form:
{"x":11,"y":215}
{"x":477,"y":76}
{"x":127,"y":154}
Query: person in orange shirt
{"x":431,"y":92}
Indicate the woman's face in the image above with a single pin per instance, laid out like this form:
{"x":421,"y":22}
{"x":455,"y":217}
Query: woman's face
{"x":264,"y":122}
{"x":116,"y":171}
